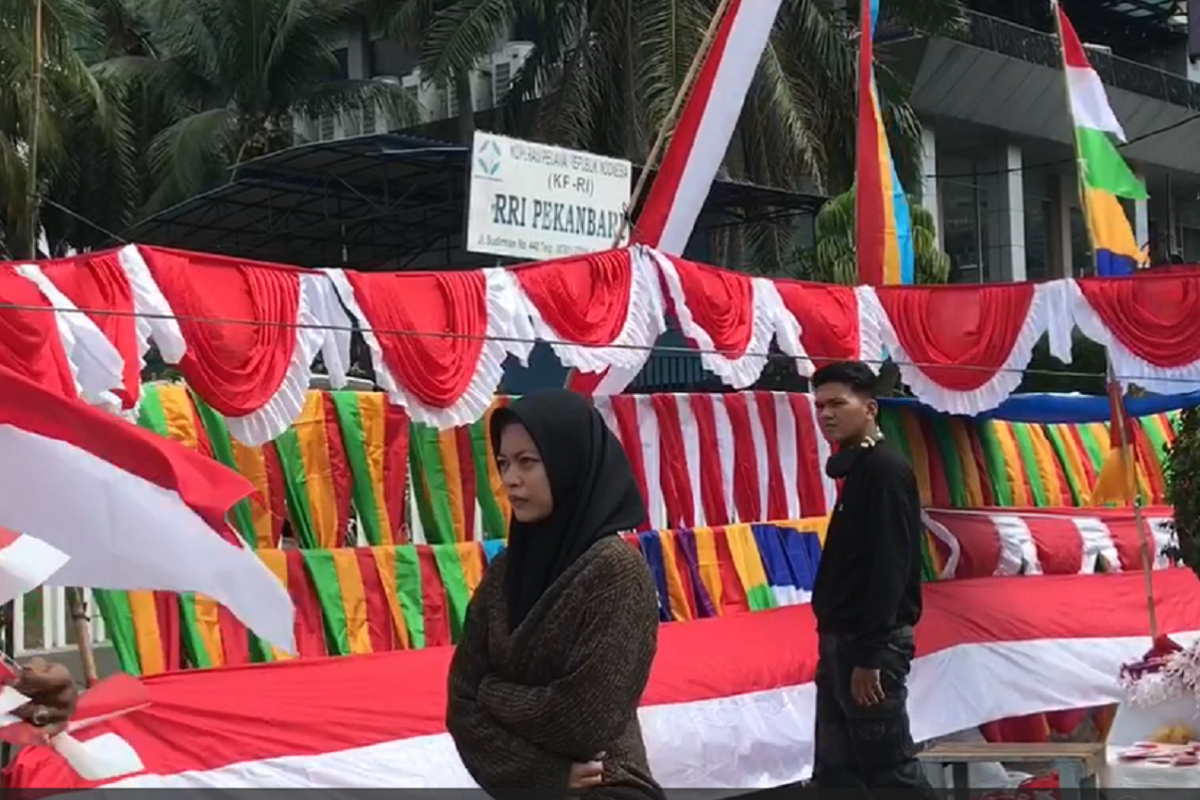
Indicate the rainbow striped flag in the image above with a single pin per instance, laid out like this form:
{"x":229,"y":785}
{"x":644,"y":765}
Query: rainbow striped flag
{"x":882,"y":222}
{"x":361,"y":600}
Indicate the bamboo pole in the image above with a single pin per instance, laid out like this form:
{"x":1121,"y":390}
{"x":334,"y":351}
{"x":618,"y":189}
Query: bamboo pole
{"x":33,"y":196}
{"x":667,"y":127}
{"x":1128,"y":459}
{"x":77,"y":604}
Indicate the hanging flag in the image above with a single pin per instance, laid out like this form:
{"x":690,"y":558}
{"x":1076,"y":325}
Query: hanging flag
{"x":1117,"y":481}
{"x":696,"y":150}
{"x":882,"y":221}
{"x":1104,"y":175}
{"x":130,"y":509}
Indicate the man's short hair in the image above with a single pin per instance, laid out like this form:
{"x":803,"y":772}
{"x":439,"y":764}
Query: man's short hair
{"x":861,"y":379}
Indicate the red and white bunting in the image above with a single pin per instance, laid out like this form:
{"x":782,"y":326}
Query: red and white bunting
{"x":996,"y":542}
{"x":439,"y":341}
{"x":599,"y":311}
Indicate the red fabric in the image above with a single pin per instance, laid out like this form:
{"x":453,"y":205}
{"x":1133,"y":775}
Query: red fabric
{"x":379,"y":612}
{"x":435,"y":370}
{"x":721,"y":303}
{"x":339,"y":468}
{"x":395,"y":468}
{"x":1058,"y":542}
{"x":624,"y":409}
{"x":870,"y":210}
{"x":746,"y":470}
{"x":712,"y":484}
{"x":309,"y":628}
{"x":170,"y":631}
{"x":236,"y":366}
{"x":733,"y":598}
{"x":29,"y":340}
{"x":95,"y":283}
{"x":584,"y":299}
{"x":1073,"y":52}
{"x":959,"y":336}
{"x":660,"y":201}
{"x":777,"y":505}
{"x":235,"y":638}
{"x":206,"y":719}
{"x":1156,"y":317}
{"x":978,"y":542}
{"x":828,"y":317}
{"x":676,"y":481}
{"x":207,"y":487}
{"x":809,"y":486}
{"x":433,"y":600}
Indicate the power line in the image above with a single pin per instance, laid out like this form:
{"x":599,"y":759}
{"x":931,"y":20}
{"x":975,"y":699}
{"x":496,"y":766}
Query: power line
{"x":1063,"y":161}
{"x":652,"y":349}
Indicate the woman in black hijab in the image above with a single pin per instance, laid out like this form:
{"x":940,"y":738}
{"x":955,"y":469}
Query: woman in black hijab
{"x":560,"y":635}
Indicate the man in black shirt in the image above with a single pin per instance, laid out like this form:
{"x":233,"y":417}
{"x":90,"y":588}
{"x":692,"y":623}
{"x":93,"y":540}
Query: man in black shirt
{"x":867,"y":596}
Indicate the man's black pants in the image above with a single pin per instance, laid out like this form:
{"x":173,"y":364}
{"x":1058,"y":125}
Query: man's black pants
{"x":866,"y":747}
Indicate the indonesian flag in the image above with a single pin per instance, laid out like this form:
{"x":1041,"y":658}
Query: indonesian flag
{"x":730,"y":704}
{"x":129,"y":509}
{"x":697,"y":148}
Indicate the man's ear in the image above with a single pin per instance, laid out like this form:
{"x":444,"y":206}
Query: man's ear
{"x":873,"y":410}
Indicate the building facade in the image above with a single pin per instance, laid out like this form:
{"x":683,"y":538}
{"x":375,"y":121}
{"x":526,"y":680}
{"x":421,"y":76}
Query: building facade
{"x":999,"y":173}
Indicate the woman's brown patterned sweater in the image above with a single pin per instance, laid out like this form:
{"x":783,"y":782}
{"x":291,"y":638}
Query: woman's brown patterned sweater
{"x":565,"y":685}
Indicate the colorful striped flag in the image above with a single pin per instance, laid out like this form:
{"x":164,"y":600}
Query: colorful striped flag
{"x":1104,"y":175}
{"x":882,"y":222}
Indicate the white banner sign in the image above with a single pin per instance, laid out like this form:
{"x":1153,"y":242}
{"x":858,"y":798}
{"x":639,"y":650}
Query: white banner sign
{"x":534,"y":202}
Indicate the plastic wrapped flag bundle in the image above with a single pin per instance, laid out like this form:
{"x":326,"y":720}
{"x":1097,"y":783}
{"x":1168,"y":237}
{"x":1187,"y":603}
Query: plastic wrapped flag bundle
{"x":106,"y":756}
{"x":1164,"y":673}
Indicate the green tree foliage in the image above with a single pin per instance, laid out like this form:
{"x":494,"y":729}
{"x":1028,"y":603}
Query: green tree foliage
{"x":1183,"y":486}
{"x":832,"y":259}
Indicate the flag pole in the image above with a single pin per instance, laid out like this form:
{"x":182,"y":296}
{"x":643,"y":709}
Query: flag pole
{"x":1119,"y":417}
{"x":667,"y":126}
{"x":1129,"y":464}
{"x":33,"y":196}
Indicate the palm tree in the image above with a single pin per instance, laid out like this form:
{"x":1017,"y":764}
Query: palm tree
{"x":81,"y":127}
{"x":832,"y":258}
{"x":610,"y":70}
{"x":231,"y":76}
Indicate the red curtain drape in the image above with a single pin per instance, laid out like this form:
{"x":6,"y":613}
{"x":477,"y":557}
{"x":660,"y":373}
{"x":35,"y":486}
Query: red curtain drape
{"x":585,"y":299}
{"x":959,"y":336}
{"x":239,"y":363}
{"x":1156,"y":317}
{"x":721,"y":303}
{"x":408,"y":311}
{"x":828,"y":317}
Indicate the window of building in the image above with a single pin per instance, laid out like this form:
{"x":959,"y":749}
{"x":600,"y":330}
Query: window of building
{"x":964,"y":216}
{"x":1039,"y":210}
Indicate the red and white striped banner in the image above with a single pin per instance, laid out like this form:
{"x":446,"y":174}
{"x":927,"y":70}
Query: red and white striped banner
{"x":713,"y":459}
{"x":988,"y":542}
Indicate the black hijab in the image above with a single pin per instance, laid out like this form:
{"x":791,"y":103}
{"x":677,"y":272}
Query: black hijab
{"x":595,"y":494}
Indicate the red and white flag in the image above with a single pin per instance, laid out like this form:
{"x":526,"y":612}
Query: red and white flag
{"x":697,"y":149}
{"x":128,"y":508}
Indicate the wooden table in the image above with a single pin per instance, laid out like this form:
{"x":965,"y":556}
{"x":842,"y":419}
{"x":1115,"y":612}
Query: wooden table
{"x":1078,"y":765}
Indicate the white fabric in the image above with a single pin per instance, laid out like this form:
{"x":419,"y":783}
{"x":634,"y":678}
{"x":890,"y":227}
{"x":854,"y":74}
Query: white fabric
{"x":1089,"y":102}
{"x":749,"y":32}
{"x":115,"y":527}
{"x":155,"y":318}
{"x":748,"y":741}
{"x":25,"y":565}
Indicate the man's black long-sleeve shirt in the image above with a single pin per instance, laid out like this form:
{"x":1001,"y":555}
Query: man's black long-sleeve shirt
{"x":869,"y":580}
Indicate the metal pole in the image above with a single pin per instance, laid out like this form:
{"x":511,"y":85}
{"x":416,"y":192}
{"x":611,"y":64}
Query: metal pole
{"x":34,"y":195}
